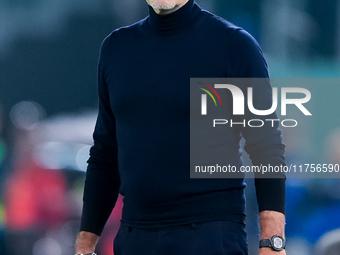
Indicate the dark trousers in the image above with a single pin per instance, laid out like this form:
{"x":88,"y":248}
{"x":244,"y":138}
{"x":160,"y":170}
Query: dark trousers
{"x":206,"y":238}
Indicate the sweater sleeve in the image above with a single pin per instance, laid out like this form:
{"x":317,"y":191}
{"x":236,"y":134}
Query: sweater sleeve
{"x":264,"y":144}
{"x":102,"y":180}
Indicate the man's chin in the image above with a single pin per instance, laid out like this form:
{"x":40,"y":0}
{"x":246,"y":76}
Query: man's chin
{"x":162,"y":6}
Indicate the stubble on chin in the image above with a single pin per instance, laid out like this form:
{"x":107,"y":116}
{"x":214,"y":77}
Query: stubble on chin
{"x":162,"y":5}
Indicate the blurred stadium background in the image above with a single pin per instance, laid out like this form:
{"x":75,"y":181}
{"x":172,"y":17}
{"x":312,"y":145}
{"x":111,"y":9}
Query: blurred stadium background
{"x":48,"y":58}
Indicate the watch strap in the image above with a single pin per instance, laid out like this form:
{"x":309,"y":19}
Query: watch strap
{"x":265,"y":243}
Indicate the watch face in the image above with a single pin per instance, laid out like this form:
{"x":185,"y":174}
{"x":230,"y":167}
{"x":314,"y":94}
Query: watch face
{"x":277,"y":242}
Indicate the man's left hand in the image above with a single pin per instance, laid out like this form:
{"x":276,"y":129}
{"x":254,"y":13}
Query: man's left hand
{"x":271,"y":223}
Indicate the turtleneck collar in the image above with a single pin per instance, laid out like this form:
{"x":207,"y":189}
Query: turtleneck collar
{"x":174,"y":22}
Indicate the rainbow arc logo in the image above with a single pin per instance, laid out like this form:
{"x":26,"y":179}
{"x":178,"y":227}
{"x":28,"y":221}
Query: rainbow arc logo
{"x":204,"y":97}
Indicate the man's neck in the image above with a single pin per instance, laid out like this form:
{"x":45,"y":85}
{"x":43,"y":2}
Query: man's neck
{"x":165,"y":12}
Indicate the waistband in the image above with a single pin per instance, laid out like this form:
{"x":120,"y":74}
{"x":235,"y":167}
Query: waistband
{"x":221,"y":205}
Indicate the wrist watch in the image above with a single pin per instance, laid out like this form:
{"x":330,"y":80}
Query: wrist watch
{"x":277,"y":243}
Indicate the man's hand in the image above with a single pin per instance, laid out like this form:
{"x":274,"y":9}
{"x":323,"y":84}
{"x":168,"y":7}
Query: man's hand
{"x":271,"y":223}
{"x":86,"y":242}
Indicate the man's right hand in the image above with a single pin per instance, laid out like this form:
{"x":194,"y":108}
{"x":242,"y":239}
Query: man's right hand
{"x":86,"y":242}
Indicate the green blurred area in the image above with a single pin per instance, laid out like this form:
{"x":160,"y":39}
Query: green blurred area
{"x":2,"y":150}
{"x":2,"y":214}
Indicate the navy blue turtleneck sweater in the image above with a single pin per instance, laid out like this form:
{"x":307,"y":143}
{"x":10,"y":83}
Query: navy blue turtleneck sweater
{"x":141,"y":139}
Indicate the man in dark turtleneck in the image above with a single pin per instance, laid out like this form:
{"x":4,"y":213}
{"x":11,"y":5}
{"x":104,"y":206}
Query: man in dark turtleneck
{"x":142,"y":141}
